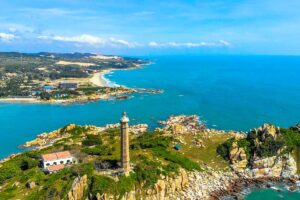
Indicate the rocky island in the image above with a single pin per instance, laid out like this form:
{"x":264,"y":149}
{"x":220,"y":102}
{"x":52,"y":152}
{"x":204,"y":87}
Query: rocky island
{"x":63,"y":77}
{"x":183,"y":159}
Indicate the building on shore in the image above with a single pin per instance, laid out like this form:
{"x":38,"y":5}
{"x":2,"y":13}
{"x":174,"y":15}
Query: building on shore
{"x":125,"y":159}
{"x":68,"y":86}
{"x":56,"y":161}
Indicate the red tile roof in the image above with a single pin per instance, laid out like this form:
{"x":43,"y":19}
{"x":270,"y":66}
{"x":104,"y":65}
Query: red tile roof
{"x":56,"y":167}
{"x":56,"y":156}
{"x":63,"y":154}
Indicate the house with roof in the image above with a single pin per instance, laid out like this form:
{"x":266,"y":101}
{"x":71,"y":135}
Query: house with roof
{"x":68,"y":86}
{"x":56,"y":161}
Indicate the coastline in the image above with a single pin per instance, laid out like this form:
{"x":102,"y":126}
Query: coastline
{"x":210,"y":183}
{"x":97,"y":79}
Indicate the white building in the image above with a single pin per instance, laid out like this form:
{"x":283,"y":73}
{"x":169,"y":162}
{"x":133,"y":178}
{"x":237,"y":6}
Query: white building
{"x":57,"y":160}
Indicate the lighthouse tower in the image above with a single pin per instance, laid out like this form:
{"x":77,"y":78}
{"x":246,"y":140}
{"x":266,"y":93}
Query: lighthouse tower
{"x":125,"y":144}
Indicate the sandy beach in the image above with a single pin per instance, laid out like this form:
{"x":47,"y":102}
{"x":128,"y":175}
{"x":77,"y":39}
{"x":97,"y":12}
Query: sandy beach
{"x":99,"y":79}
{"x":20,"y":100}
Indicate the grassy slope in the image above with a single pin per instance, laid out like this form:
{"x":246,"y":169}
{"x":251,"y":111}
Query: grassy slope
{"x":150,"y":162}
{"x":207,"y":155}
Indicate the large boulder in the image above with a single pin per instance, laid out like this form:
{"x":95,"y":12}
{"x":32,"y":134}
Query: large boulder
{"x":79,"y":185}
{"x":275,"y":166}
{"x":266,"y":129}
{"x":182,"y":124}
{"x":238,"y":157}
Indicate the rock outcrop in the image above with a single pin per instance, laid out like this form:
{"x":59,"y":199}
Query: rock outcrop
{"x":266,"y":129}
{"x":182,"y":124}
{"x":167,"y":188}
{"x":276,"y":166}
{"x":238,"y":157}
{"x":78,"y":189}
{"x":134,"y":129}
{"x":45,"y":139}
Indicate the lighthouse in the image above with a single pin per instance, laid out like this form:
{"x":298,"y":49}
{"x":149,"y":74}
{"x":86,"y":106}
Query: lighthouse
{"x":125,"y":144}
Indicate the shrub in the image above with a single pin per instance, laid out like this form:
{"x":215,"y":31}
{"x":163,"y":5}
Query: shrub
{"x":151,"y":140}
{"x":171,"y":168}
{"x":76,"y":131}
{"x":102,"y":184}
{"x":147,"y":172}
{"x":290,"y":137}
{"x":246,"y":145}
{"x":83,"y":169}
{"x":224,"y":149}
{"x":269,"y":147}
{"x":98,"y":150}
{"x":92,"y":140}
{"x":175,"y":157}
{"x":9,"y":170}
{"x":28,"y":163}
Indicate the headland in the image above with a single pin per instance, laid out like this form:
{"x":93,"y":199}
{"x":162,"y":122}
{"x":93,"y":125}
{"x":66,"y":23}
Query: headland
{"x":62,"y":78}
{"x":183,"y":159}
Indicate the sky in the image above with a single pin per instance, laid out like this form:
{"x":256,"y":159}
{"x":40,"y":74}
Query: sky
{"x":146,"y":27}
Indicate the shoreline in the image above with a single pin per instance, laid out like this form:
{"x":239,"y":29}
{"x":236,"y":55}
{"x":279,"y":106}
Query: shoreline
{"x":100,"y":80}
{"x":240,"y":187}
{"x":97,"y":79}
{"x":210,"y":182}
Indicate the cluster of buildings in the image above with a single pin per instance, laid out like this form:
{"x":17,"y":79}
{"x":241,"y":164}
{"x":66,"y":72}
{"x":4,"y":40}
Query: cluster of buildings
{"x":62,"y":86}
{"x":54,"y":162}
{"x":58,"y":89}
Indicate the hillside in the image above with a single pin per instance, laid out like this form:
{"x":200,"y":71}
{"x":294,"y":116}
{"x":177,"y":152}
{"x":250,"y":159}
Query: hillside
{"x":182,"y":160}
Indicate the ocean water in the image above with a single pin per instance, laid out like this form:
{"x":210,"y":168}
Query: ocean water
{"x":273,"y":194}
{"x":227,"y":92}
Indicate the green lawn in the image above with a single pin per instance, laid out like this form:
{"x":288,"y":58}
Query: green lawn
{"x":207,"y":155}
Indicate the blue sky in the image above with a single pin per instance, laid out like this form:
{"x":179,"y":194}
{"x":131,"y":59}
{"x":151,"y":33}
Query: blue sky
{"x":140,"y":27}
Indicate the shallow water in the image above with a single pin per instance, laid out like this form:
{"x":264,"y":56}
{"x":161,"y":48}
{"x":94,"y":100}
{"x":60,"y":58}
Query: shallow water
{"x":229,"y":92}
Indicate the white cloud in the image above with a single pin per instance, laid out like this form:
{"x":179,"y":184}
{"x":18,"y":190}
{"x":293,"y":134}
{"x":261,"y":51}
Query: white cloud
{"x":190,"y":44}
{"x":225,"y":43}
{"x":46,"y":11}
{"x":153,"y":44}
{"x":91,"y":40}
{"x":123,"y":43}
{"x":7,"y":37}
{"x":81,"y":39}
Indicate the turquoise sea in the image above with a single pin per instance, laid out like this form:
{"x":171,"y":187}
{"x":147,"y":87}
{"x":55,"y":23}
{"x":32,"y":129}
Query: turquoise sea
{"x":228,"y":92}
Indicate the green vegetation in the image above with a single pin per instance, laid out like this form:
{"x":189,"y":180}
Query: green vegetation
{"x":92,"y":140}
{"x":146,"y":174}
{"x":24,"y":75}
{"x":207,"y":154}
{"x":175,"y":157}
{"x":16,"y":166}
{"x":152,"y":155}
{"x":98,"y":150}
{"x":152,"y":140}
{"x":225,"y":148}
{"x":264,"y":145}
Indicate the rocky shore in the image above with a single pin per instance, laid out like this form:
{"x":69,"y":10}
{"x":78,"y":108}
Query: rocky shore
{"x":117,"y":95}
{"x":242,"y":173}
{"x":44,"y":140}
{"x":240,"y":186}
